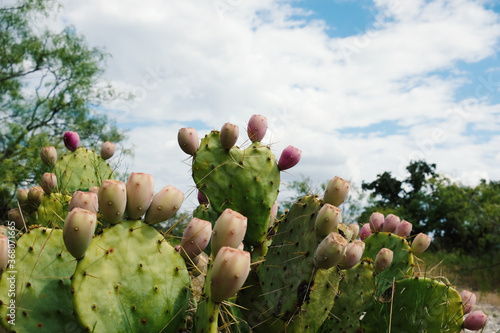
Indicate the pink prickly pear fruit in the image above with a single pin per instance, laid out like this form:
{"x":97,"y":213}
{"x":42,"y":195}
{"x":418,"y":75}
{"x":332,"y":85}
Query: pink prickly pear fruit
{"x":140,"y":191}
{"x":241,"y":246}
{"x":35,"y":196}
{"x":468,"y":300}
{"x":229,"y":272}
{"x":330,"y":251}
{"x":391,"y":222}
{"x":195,"y":238}
{"x":420,"y":243}
{"x":48,"y":156}
{"x":327,"y":220}
{"x":22,"y":197}
{"x":112,"y":199}
{"x":164,"y":205}
{"x":274,"y":212}
{"x":475,"y":320}
{"x":257,"y":128}
{"x":188,"y":140}
{"x":4,"y":252}
{"x":71,"y":140}
{"x":229,"y":135}
{"x":352,"y":255}
{"x":336,"y":191}
{"x":365,"y":231}
{"x":229,"y":230}
{"x":48,"y":182}
{"x":403,"y":229}
{"x":383,"y":259}
{"x":202,"y":199}
{"x":345,"y":231}
{"x":289,"y":158}
{"x":94,"y":189}
{"x":107,"y":150}
{"x":85,"y":200}
{"x":355,"y":229}
{"x":16,"y":216}
{"x":376,"y":221}
{"x":79,"y":227}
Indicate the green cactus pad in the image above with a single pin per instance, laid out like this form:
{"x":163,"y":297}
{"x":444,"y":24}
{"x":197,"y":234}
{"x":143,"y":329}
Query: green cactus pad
{"x":53,"y":210}
{"x":355,"y":294}
{"x":131,"y":280}
{"x":402,"y":263}
{"x":320,"y":303}
{"x":80,"y":170}
{"x":417,"y":305}
{"x":246,"y":181}
{"x":288,"y":272}
{"x":41,"y":272}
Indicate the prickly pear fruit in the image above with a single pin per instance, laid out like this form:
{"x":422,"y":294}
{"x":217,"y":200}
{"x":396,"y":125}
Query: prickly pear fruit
{"x":229,"y":230}
{"x":16,"y":216}
{"x":403,"y":229}
{"x":195,"y":238}
{"x":229,"y":135}
{"x":164,"y":205}
{"x":22,"y":197}
{"x":202,"y":199}
{"x":274,"y":213}
{"x":468,"y":300}
{"x":365,"y":231}
{"x":188,"y":140}
{"x":140,"y":190}
{"x":355,"y":229}
{"x":336,"y":191}
{"x":71,"y":140}
{"x":345,"y":231}
{"x":48,"y":182}
{"x":4,"y":252}
{"x":289,"y":158}
{"x":85,"y":200}
{"x":94,"y":189}
{"x":48,"y":156}
{"x":383,"y":259}
{"x":257,"y":128}
{"x":229,"y":272}
{"x":475,"y":320}
{"x":327,"y":221}
{"x":391,"y":222}
{"x":376,"y":221}
{"x":35,"y":196}
{"x":420,"y":243}
{"x":112,"y":200}
{"x":79,"y":227}
{"x":352,"y":255}
{"x":330,"y":251}
{"x":107,"y":150}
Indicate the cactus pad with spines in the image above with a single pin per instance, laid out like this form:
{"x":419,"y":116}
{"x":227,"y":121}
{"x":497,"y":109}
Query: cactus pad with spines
{"x":53,"y":210}
{"x":246,"y":181}
{"x":132,"y":275}
{"x":402,"y":263}
{"x":42,"y":272}
{"x":80,"y":170}
{"x":417,"y":305}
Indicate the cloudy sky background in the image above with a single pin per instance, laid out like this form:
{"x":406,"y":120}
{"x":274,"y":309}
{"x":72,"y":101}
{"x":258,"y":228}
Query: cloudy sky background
{"x":362,"y":87}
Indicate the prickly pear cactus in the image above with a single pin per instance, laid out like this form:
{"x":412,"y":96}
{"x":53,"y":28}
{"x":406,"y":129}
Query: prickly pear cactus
{"x":416,"y":305}
{"x":246,"y":181}
{"x":80,"y":170}
{"x":38,"y":285}
{"x":131,"y":280}
{"x":53,"y":210}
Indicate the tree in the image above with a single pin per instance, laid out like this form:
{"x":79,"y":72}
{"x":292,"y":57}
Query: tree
{"x":50,"y":82}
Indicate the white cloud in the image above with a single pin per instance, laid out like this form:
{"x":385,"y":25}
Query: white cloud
{"x":220,"y":61}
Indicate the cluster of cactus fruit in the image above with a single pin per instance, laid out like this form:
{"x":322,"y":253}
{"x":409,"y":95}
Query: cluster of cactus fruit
{"x":81,"y":252}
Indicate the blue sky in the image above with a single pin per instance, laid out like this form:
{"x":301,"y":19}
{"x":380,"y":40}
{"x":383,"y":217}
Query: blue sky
{"x":362,"y":87}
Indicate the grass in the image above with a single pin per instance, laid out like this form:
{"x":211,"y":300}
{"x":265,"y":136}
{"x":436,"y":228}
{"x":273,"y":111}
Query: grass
{"x":478,"y":274}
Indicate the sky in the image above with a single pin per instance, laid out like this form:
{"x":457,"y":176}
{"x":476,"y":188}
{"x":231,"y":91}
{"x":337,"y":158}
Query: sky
{"x":361,"y":87}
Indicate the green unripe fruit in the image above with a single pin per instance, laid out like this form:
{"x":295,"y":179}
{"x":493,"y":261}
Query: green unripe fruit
{"x":112,"y":200}
{"x":164,"y":205}
{"x":78,"y":230}
{"x":140,"y":191}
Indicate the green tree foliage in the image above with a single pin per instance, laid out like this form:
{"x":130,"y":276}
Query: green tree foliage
{"x":459,"y":217}
{"x":50,"y":82}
